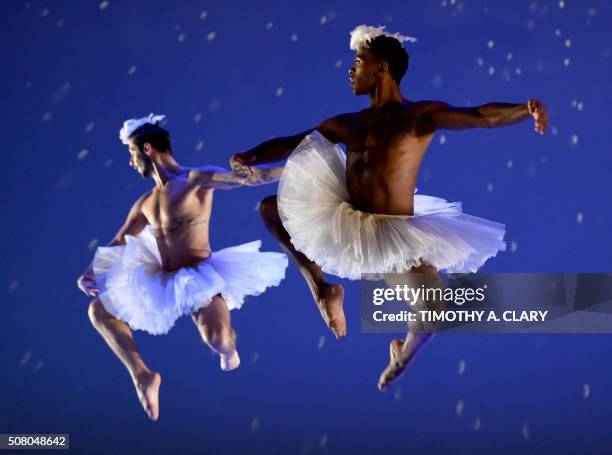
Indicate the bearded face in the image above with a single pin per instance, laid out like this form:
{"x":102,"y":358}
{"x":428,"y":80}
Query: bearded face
{"x":140,"y":161}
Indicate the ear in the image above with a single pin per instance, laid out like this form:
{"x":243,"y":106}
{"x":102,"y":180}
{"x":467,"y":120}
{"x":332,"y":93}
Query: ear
{"x":147,"y":149}
{"x":383,"y":67}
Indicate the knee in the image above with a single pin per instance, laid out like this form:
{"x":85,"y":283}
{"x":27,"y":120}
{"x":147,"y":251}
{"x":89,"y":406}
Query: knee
{"x":219,"y":338}
{"x":96,"y":311}
{"x":268,"y":207}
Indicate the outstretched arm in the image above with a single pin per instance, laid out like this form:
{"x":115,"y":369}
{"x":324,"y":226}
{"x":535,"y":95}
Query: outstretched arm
{"x":217,"y":177}
{"x":134,"y":223}
{"x":443,"y":116}
{"x":280,"y":148}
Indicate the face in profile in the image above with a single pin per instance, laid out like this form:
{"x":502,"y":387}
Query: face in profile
{"x":362,"y":74}
{"x":139,"y":161}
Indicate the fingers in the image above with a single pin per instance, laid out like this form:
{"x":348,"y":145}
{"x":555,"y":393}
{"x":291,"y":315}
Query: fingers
{"x":237,"y":162}
{"x":538,"y":112}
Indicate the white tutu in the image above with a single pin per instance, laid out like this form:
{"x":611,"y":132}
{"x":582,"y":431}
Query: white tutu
{"x":134,"y":287}
{"x":313,"y":204}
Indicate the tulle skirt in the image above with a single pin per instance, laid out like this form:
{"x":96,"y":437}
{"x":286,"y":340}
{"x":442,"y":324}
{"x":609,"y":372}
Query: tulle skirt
{"x":313,"y":204}
{"x":134,"y":287}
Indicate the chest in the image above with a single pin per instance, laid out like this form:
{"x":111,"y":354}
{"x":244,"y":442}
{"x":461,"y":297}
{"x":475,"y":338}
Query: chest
{"x":380,"y":139}
{"x":175,"y":201}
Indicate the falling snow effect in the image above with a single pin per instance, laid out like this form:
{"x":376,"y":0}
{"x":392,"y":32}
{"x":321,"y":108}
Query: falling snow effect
{"x":230,"y":76}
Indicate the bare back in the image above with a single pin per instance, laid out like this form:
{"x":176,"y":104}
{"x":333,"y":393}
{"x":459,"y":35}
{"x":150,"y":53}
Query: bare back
{"x":385,"y":148}
{"x":179,"y":213}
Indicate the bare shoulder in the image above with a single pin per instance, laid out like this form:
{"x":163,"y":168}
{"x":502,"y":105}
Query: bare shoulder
{"x":144,"y":198}
{"x":423,"y":106}
{"x":337,"y":128}
{"x":203,"y":175}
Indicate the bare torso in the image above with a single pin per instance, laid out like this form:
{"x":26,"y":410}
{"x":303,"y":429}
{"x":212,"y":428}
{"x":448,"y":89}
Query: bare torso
{"x":179,"y":213}
{"x":385,"y":148}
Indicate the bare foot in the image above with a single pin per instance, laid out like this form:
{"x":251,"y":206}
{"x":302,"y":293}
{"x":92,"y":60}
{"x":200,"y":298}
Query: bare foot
{"x":398,"y":363}
{"x":147,"y":388}
{"x":230,"y":362}
{"x":330,"y":301}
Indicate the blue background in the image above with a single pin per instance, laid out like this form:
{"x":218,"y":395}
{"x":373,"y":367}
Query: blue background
{"x":73,"y":71}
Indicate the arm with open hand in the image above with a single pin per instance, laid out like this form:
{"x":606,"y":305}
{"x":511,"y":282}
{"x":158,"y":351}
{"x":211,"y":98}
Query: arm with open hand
{"x":443,"y":116}
{"x":134,"y":224}
{"x":219,"y":178}
{"x":279,"y":149}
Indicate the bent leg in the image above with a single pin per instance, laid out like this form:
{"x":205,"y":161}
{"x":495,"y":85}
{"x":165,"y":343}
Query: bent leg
{"x":118,"y":336}
{"x":328,"y":297}
{"x":215,"y":327}
{"x":420,"y":331}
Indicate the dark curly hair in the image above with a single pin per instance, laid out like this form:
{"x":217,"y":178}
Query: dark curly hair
{"x":155,"y":135}
{"x":392,"y":51}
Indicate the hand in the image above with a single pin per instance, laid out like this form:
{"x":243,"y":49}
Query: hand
{"x":237,"y":162}
{"x":87,"y":284}
{"x":538,"y":112}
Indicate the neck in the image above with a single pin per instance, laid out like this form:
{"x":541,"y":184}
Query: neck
{"x":385,"y":93}
{"x":165,"y":168}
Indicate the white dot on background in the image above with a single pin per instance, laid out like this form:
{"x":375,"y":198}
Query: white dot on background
{"x":294,"y":37}
{"x":397,"y":395}
{"x":459,"y":408}
{"x":442,"y":139}
{"x":568,"y":43}
{"x":586,"y":391}
{"x":269,"y":25}
{"x":525,"y":431}
{"x":181,"y":38}
{"x":561,"y":4}
{"x":491,"y":71}
{"x":321,"y":342}
{"x":476,"y":425}
{"x":509,"y":164}
{"x":211,"y":36}
{"x":254,"y":424}
{"x":279,"y":91}
{"x":566,"y":61}
{"x":491,"y":44}
{"x":131,"y":70}
{"x":579,"y":218}
{"x":83,"y":153}
{"x":490,"y":187}
{"x":513,"y":246}
{"x":203,"y":14}
{"x":461,"y":367}
{"x":104,"y":5}
{"x":574,"y":139}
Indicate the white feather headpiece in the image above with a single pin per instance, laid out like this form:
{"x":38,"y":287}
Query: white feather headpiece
{"x":131,"y":125}
{"x":362,"y":34}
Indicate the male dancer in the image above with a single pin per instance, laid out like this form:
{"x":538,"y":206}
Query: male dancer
{"x":160,"y":265}
{"x":358,"y":215}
